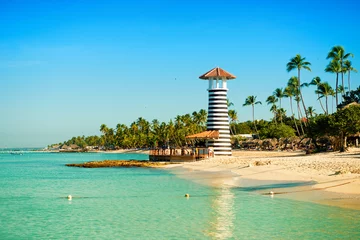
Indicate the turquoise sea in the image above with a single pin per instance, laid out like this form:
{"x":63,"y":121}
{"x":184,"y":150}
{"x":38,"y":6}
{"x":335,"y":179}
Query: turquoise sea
{"x":136,"y":203}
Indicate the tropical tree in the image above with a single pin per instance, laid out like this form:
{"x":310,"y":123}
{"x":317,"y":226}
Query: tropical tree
{"x":251,"y":100}
{"x":337,"y":54}
{"x":199,"y":120}
{"x":311,"y":111}
{"x":281,"y":114}
{"x":299,"y":63}
{"x":277,"y":131}
{"x":346,"y":121}
{"x":349,"y":68}
{"x":279,"y":94}
{"x":351,"y":97}
{"x":324,"y":90}
{"x":228,"y":103}
{"x":335,"y":67}
{"x":316,"y":81}
{"x":272,"y":100}
{"x":233,"y":118}
{"x":289,"y":92}
{"x":297,"y":99}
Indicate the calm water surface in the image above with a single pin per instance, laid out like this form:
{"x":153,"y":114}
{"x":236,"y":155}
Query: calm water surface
{"x":135,"y":203}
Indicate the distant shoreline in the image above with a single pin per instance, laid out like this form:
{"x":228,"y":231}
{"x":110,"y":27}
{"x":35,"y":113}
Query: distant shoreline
{"x":98,"y":151}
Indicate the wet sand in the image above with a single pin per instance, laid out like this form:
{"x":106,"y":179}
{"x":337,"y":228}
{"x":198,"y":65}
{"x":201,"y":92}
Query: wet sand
{"x":326,"y":178}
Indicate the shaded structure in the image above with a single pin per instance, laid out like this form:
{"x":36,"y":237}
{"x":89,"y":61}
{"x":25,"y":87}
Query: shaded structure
{"x":218,"y":118}
{"x":179,"y":154}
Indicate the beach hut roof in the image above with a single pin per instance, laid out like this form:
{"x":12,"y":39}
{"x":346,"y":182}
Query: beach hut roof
{"x":74,"y":146}
{"x":64,"y":146}
{"x":217,"y":73}
{"x":211,"y":134}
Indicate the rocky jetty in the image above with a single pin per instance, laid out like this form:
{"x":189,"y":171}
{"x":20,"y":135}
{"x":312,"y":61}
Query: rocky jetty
{"x":118,"y":163}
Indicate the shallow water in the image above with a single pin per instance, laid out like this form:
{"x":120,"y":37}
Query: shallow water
{"x":137,"y":203}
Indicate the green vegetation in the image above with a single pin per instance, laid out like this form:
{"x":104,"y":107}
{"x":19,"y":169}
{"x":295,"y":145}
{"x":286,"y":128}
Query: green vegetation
{"x":325,"y":128}
{"x":277,"y":131}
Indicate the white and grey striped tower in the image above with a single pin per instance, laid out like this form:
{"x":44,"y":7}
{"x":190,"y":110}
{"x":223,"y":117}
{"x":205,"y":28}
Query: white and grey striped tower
{"x":218,"y":118}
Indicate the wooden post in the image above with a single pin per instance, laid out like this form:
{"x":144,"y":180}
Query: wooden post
{"x":357,"y":142}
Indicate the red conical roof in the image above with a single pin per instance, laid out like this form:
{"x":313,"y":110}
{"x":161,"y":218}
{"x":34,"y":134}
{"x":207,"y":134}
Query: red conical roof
{"x":217,"y":73}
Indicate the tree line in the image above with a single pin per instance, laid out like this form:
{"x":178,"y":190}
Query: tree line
{"x":303,"y":121}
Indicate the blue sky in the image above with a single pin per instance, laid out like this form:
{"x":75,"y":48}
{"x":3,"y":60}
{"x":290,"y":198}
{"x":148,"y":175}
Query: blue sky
{"x":66,"y":67}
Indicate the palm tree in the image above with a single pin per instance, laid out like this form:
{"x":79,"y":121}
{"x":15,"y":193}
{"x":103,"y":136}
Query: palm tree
{"x":104,"y":129}
{"x":233,"y":118}
{"x":298,"y":63}
{"x":297,"y":100}
{"x":279,"y":93}
{"x":199,"y":119}
{"x":281,"y":113}
{"x":311,"y":111}
{"x":337,"y":54}
{"x":324,"y":90}
{"x":228,"y":103}
{"x":316,"y":81}
{"x":334,"y":67}
{"x":251,"y":100}
{"x":349,"y":68}
{"x":289,"y":92}
{"x":272,"y":100}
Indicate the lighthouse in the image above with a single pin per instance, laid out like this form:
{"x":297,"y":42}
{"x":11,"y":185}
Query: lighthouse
{"x":218,"y":118}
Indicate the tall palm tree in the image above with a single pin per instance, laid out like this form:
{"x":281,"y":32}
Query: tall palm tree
{"x":299,"y":63}
{"x":316,"y":81}
{"x":337,"y":54}
{"x":272,"y":100}
{"x":335,"y":67}
{"x":289,"y":92}
{"x":349,"y":68}
{"x":324,"y":90}
{"x":251,"y":100}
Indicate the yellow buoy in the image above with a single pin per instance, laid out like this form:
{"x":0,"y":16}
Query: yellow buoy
{"x":69,"y":197}
{"x":187,"y":195}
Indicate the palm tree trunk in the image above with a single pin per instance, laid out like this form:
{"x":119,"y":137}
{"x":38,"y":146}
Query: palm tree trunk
{"x":292,"y":114}
{"x":299,"y":116}
{"x":326,"y":102}
{"x":302,"y":99}
{"x":281,"y":120}
{"x":342,"y":82}
{"x":275,"y":118}
{"x":231,"y":131}
{"x":349,"y":80}
{"x":253,"y":115}
{"x":321,"y":103}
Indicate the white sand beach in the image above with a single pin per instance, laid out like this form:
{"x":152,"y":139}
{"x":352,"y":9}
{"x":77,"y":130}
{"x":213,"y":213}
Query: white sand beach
{"x":328,"y":178}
